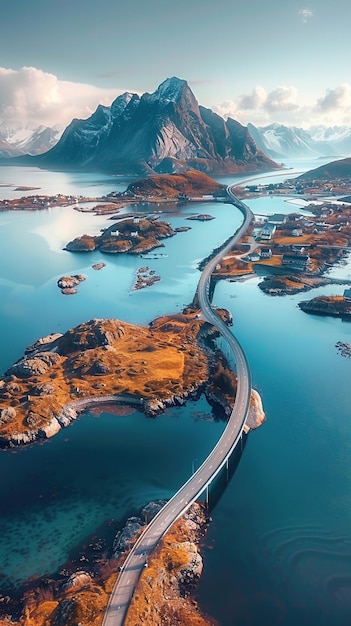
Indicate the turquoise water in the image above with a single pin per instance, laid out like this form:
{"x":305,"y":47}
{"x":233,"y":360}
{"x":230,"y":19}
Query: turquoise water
{"x":100,"y":468}
{"x":54,"y":489}
{"x":278,"y":549}
{"x":281,"y":532}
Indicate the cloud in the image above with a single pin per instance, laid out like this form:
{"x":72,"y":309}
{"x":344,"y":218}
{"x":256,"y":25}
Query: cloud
{"x":305,"y":15}
{"x":285,"y":105}
{"x":281,"y":99}
{"x":335,"y":99}
{"x":253,"y":100}
{"x":34,"y":97}
{"x":260,"y":104}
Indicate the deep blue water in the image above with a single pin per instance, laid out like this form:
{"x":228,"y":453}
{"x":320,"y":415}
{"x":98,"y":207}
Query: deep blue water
{"x":281,"y":532}
{"x":278,"y":550}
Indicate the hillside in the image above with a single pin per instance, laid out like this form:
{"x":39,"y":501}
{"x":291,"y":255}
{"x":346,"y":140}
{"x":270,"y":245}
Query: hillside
{"x":191,"y":183}
{"x":331,"y":171}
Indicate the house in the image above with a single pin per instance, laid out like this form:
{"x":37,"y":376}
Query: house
{"x":296,"y":261}
{"x":266,"y":253}
{"x":347,"y":294}
{"x":296,"y":232}
{"x":253,"y":257}
{"x":134,"y":233}
{"x":267,"y":232}
{"x":277,"y":218}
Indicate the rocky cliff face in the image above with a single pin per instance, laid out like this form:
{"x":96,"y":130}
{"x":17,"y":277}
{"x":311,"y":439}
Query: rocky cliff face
{"x":162,"y":131}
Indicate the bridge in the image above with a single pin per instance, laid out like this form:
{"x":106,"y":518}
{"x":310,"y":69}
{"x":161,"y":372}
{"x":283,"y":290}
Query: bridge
{"x":200,"y":480}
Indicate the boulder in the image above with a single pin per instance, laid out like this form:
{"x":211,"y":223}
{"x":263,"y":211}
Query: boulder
{"x":7,"y":415}
{"x":50,"y":429}
{"x":125,"y":538}
{"x":45,"y":389}
{"x":256,"y":415}
{"x":25,"y":368}
{"x":76,"y":581}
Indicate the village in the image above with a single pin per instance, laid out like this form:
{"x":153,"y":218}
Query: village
{"x":292,"y":252}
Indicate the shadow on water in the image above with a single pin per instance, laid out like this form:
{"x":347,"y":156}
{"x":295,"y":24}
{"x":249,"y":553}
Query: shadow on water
{"x":220,"y":483}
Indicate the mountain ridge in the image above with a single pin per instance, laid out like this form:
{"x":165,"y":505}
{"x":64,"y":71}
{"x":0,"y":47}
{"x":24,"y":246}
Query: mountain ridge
{"x":280,"y":142}
{"x":167,"y":128}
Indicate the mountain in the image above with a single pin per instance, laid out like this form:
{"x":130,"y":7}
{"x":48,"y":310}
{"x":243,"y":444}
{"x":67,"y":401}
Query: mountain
{"x":330,"y":171}
{"x":281,"y":142}
{"x":164,"y":131}
{"x":16,"y":140}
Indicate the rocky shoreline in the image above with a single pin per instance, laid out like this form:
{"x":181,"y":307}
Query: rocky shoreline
{"x":334,"y":306}
{"x":133,"y":236}
{"x":62,"y":376}
{"x":79,"y":592}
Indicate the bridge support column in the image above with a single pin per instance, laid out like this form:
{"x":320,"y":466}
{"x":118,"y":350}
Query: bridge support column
{"x":207,"y":498}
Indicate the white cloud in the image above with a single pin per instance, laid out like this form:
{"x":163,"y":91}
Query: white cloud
{"x":281,"y":99}
{"x":335,"y":99}
{"x":305,"y":15}
{"x":32,"y":96}
{"x":285,"y":105}
{"x":261,"y":106}
{"x":253,"y":100}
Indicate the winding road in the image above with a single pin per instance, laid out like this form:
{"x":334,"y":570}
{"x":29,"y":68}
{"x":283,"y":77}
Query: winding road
{"x":137,"y":559}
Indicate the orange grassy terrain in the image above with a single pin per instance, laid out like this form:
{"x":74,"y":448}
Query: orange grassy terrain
{"x":192,"y":183}
{"x":99,"y":359}
{"x":326,"y":237}
{"x":163,"y":596}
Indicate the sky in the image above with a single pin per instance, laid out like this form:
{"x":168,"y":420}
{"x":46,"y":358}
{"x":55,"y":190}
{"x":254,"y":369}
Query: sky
{"x":261,"y":62}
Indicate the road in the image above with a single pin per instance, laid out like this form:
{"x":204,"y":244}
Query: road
{"x":137,"y":559}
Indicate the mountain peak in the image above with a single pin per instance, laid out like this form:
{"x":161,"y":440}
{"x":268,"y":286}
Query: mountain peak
{"x":171,"y":89}
{"x":137,"y":134}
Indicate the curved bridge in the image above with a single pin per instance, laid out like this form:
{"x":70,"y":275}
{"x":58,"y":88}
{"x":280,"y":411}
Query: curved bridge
{"x":191,"y":490}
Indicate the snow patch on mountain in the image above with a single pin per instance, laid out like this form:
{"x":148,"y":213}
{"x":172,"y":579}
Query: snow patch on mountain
{"x":16,"y":139}
{"x":171,"y":89}
{"x":281,"y":141}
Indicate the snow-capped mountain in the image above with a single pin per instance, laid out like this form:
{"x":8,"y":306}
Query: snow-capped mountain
{"x":16,"y":140}
{"x":279,"y":141}
{"x":163,"y":131}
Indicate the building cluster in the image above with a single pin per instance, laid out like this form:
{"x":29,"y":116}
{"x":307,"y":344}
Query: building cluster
{"x":40,"y":202}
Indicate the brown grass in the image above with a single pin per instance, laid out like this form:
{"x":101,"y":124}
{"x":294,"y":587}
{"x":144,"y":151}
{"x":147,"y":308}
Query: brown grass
{"x":144,"y":362}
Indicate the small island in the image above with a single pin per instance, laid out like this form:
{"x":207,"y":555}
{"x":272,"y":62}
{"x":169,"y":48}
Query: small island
{"x":68,"y":284}
{"x":336,"y":306}
{"x":133,"y":236}
{"x":108,"y":361}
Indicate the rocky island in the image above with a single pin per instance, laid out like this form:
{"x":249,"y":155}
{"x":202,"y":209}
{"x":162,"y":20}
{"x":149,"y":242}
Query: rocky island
{"x":135,"y":236}
{"x":107,"y":361}
{"x":336,"y":306}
